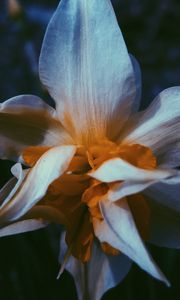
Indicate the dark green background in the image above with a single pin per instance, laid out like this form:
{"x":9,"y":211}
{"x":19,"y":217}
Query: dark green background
{"x":28,"y":262}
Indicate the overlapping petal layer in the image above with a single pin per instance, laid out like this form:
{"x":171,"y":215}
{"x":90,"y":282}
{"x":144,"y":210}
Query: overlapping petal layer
{"x":25,"y":224}
{"x":158,"y":127}
{"x":119,"y":190}
{"x":117,"y":169}
{"x":35,"y":184}
{"x":27,"y":120}
{"x":119,"y":230}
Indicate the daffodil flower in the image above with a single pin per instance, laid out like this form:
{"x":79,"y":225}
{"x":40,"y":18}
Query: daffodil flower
{"x":96,"y":165}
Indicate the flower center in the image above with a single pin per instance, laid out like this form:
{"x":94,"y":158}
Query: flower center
{"x":77,"y":195}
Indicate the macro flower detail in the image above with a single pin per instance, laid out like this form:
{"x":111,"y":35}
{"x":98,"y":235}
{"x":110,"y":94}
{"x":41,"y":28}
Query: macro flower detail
{"x":94,"y":164}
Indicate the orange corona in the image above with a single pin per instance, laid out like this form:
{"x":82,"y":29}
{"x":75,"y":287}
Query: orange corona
{"x":77,"y":195}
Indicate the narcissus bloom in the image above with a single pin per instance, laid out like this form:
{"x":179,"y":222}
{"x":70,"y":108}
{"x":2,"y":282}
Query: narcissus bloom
{"x":104,"y":171}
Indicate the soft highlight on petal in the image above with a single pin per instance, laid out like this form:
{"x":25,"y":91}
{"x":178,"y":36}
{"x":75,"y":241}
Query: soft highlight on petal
{"x":120,"y":190}
{"x":22,"y":227}
{"x":117,"y":169}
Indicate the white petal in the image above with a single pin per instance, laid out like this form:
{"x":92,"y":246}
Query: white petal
{"x":6,"y":193}
{"x":119,"y":230}
{"x":119,"y":190}
{"x":27,"y":120}
{"x":17,"y":170}
{"x":164,"y":224}
{"x":158,"y":127}
{"x":48,"y":168}
{"x":126,"y":188}
{"x":117,"y":169}
{"x":26,"y":101}
{"x":103,"y":272}
{"x":22,"y":226}
{"x":85,"y":66}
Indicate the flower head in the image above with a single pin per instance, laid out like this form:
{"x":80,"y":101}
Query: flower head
{"x":95,"y":165}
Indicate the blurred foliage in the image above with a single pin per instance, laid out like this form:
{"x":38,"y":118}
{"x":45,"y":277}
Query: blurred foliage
{"x":28,"y":262}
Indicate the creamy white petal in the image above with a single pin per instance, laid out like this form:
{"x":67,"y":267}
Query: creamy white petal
{"x":50,"y":166}
{"x":86,"y":68}
{"x":103,"y":272}
{"x":27,"y":120}
{"x":6,"y":193}
{"x":158,"y":127}
{"x":26,"y":101}
{"x":119,"y":230}
{"x":17,"y":171}
{"x":120,"y":190}
{"x":22,"y":227}
{"x":117,"y":169}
